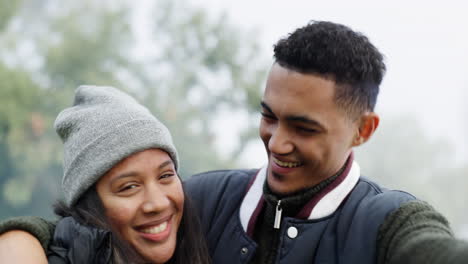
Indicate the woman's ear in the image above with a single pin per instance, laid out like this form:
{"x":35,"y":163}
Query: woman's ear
{"x":368,"y":123}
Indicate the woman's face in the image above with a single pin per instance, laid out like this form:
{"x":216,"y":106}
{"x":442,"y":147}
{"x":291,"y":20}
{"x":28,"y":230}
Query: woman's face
{"x":144,"y":203}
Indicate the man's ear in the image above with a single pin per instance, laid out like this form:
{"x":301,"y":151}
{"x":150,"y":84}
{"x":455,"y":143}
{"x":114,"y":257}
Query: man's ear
{"x":368,"y":123}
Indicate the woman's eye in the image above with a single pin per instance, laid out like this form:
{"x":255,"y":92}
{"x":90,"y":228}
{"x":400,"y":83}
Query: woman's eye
{"x":167,"y":175}
{"x":128,"y":187}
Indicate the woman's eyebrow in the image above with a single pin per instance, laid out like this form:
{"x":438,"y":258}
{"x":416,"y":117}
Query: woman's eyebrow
{"x":132,"y":173}
{"x":164,"y":164}
{"x":123,"y":175}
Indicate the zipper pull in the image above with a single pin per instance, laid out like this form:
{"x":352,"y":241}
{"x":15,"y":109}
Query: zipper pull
{"x":279,"y":210}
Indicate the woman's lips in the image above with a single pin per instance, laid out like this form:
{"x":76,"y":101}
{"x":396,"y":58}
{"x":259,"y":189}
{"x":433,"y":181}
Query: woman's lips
{"x":155,"y":229}
{"x":157,"y":233}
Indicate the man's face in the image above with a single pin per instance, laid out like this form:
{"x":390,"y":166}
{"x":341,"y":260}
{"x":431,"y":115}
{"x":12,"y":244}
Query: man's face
{"x":306,"y":135}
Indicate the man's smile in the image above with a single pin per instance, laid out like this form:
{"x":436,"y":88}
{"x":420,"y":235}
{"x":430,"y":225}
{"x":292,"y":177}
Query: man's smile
{"x":286,"y":164}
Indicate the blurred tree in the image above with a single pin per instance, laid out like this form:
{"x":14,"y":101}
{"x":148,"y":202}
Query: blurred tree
{"x":29,"y":150}
{"x":193,"y":69}
{"x":196,"y":69}
{"x":402,"y":156}
{"x":8,"y":10}
{"x":45,"y":54}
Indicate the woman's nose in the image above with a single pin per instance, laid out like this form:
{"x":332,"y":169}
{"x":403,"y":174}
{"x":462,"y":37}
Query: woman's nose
{"x":155,"y":200}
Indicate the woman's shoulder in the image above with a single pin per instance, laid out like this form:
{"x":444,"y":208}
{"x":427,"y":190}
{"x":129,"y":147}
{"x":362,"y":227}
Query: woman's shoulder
{"x":80,"y":243}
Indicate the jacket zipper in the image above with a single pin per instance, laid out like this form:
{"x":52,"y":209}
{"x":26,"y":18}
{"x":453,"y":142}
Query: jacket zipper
{"x":279,"y":210}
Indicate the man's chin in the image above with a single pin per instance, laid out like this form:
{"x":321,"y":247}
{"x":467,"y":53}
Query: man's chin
{"x":278,"y":184}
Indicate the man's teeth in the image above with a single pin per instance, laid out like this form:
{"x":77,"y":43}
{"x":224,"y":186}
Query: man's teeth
{"x":286,"y":164}
{"x":155,"y":229}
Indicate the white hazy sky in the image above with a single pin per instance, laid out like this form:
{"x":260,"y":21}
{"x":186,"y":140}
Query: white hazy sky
{"x":425,"y":44}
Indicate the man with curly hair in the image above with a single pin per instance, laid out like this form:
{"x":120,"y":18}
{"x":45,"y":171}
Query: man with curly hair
{"x":310,"y":204}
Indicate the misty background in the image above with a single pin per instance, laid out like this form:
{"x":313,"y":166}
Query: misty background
{"x":200,"y":67}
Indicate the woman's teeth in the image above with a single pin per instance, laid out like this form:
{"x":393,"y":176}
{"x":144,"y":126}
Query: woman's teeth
{"x":155,"y":229}
{"x":286,"y":164}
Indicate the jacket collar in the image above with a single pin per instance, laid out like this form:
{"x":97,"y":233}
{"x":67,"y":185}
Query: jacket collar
{"x":321,"y":205}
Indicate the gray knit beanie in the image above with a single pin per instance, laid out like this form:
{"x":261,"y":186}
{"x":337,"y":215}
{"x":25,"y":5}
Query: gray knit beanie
{"x":104,"y":126}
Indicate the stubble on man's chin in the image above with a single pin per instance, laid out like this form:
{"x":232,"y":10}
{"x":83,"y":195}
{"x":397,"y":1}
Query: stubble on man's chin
{"x":277,"y":176}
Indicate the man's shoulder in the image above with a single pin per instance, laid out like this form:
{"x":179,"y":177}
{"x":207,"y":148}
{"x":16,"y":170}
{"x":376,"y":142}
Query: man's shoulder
{"x":220,"y":178}
{"x":380,"y":190}
{"x":218,"y":194}
{"x":226,"y":173}
{"x":380,"y":198}
{"x":217,"y":182}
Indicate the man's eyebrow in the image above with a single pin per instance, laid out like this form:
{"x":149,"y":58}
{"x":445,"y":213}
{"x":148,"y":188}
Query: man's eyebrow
{"x":304,"y":119}
{"x":265,"y":106}
{"x":295,"y":118}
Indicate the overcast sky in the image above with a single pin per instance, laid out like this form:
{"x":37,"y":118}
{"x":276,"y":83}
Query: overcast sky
{"x":425,"y":44}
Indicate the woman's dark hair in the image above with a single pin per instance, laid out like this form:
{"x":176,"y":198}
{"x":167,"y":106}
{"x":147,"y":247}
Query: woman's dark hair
{"x":190,"y":247}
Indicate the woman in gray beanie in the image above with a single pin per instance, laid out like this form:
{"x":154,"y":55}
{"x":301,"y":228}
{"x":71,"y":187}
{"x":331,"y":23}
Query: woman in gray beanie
{"x":124,"y":202}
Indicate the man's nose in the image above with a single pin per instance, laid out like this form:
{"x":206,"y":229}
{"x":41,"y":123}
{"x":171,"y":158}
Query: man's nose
{"x":280,"y":141}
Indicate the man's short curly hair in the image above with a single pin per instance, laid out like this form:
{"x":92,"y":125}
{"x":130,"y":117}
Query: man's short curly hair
{"x":336,"y":52}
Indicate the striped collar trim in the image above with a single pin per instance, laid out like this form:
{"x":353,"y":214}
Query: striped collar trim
{"x":323,"y":204}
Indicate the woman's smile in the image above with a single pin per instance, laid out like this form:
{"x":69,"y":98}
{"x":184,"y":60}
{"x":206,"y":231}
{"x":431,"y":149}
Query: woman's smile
{"x":157,"y":232}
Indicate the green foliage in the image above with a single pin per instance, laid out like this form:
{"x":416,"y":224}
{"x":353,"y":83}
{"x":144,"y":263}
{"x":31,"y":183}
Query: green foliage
{"x":199,"y":68}
{"x":7,"y":11}
{"x":193,"y":69}
{"x":68,"y":54}
{"x":89,"y":47}
{"x":27,"y":148}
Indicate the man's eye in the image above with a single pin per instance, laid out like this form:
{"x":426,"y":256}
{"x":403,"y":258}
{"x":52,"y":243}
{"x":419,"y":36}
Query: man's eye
{"x":267,"y":116}
{"x":307,"y":130}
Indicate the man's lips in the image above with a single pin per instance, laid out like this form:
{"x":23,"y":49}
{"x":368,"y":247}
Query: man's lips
{"x":286,"y":164}
{"x":283,"y":167}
